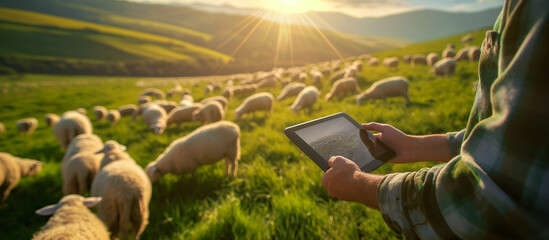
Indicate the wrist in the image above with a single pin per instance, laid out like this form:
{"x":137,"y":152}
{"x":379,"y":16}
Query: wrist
{"x":365,"y":186}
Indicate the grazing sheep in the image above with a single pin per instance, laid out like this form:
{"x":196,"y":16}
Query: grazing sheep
{"x":467,"y":39}
{"x":245,"y":90}
{"x":336,"y":76}
{"x":174,"y":91}
{"x":127,"y":110}
{"x":444,"y":68}
{"x":72,"y":220}
{"x":316,"y":78}
{"x":373,"y":62}
{"x":227,"y":92}
{"x":125,"y":190}
{"x":462,"y":54}
{"x":27,"y":125}
{"x":2,"y":128}
{"x":262,"y":101}
{"x":388,"y":87}
{"x":474,"y":54}
{"x":391,"y":62}
{"x":143,"y":99}
{"x":208,"y":89}
{"x":448,"y":53}
{"x":113,"y":116}
{"x":100,"y":112}
{"x":341,"y":87}
{"x":220,"y":99}
{"x":167,"y":105}
{"x":51,"y":119}
{"x":209,"y":113}
{"x":432,"y":58}
{"x":269,"y":82}
{"x":407,"y":58}
{"x":285,"y":82}
{"x":12,"y":169}
{"x":186,"y":100}
{"x":302,"y":77}
{"x":81,"y":111}
{"x":81,"y":163}
{"x":205,"y":145}
{"x":419,"y":59}
{"x":154,"y":92}
{"x":305,"y":99}
{"x":71,"y":125}
{"x":182,"y":114}
{"x":290,"y":90}
{"x":358,"y":65}
{"x":155,"y":117}
{"x":351,"y":71}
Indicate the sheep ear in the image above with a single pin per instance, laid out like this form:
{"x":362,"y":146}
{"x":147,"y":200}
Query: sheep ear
{"x":100,"y":151}
{"x":91,"y":201}
{"x":48,"y":210}
{"x":122,"y":147}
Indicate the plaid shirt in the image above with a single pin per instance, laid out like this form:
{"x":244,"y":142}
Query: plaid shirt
{"x":497,"y":185}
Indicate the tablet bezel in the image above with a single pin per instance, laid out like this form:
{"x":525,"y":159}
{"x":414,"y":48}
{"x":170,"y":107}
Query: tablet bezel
{"x":318,"y":159}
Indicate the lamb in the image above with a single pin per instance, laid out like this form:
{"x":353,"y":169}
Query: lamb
{"x":100,"y":113}
{"x":341,"y":87}
{"x":391,"y":62}
{"x":113,"y":116}
{"x":81,"y":163}
{"x":81,"y":111}
{"x":205,"y":145}
{"x":72,"y":220}
{"x":127,"y":110}
{"x":445,"y":67}
{"x":51,"y":119}
{"x":154,"y":92}
{"x":336,"y":76}
{"x":306,"y":99}
{"x":209,"y":113}
{"x":27,"y":125}
{"x":262,"y":101}
{"x":155,"y":117}
{"x":432,"y":58}
{"x":12,"y":169}
{"x":419,"y":59}
{"x":290,"y":90}
{"x":373,"y":62}
{"x":220,"y":99}
{"x":351,"y":71}
{"x":143,"y":99}
{"x":474,"y":54}
{"x":71,"y":125}
{"x":2,"y":128}
{"x":182,"y":114}
{"x":125,"y":190}
{"x":388,"y":87}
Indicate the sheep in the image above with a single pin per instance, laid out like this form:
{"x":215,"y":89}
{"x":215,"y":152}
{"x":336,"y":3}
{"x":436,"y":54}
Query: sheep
{"x":72,"y":220}
{"x":155,"y":117}
{"x":12,"y":169}
{"x":407,"y":58}
{"x":305,"y":99}
{"x":316,"y":78}
{"x":227,"y":92}
{"x":100,"y":113}
{"x":290,"y":90}
{"x":182,"y":114}
{"x":81,"y":163}
{"x":125,"y":190}
{"x":432,"y":58}
{"x":262,"y":101}
{"x":51,"y":119}
{"x":71,"y":125}
{"x":174,"y":91}
{"x":222,"y":100}
{"x":143,"y":99}
{"x":245,"y":90}
{"x":341,"y":87}
{"x":474,"y":54}
{"x":209,"y":113}
{"x":351,"y":71}
{"x":127,"y":110}
{"x":27,"y":125}
{"x":462,"y":54}
{"x":445,"y":67}
{"x":269,"y":82}
{"x":81,"y":111}
{"x":419,"y":59}
{"x":373,"y":62}
{"x":336,"y":76}
{"x":391,"y":62}
{"x":205,"y":145}
{"x":167,"y":105}
{"x":467,"y":39}
{"x":2,"y":128}
{"x":302,"y":77}
{"x":388,"y":87}
{"x":154,"y":92}
{"x":358,"y":65}
{"x":186,"y":100}
{"x":448,"y":53}
{"x":208,"y":89}
{"x":113,"y":116}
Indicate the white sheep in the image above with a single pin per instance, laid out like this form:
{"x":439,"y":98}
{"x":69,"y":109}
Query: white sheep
{"x":155,"y":117}
{"x":302,"y":77}
{"x":174,"y":91}
{"x":418,"y":59}
{"x":72,"y":220}
{"x":463,"y":54}
{"x":227,"y":92}
{"x":209,"y":88}
{"x":445,"y":67}
{"x":407,"y":58}
{"x":341,"y":87}
{"x":220,"y":99}
{"x":154,"y":92}
{"x":432,"y":58}
{"x":81,"y":163}
{"x":182,"y":114}
{"x":12,"y":169}
{"x":449,"y":51}
{"x":290,"y":90}
{"x":2,"y":128}
{"x":27,"y":125}
{"x":245,"y":90}
{"x":100,"y":112}
{"x":167,"y":105}
{"x":143,"y":99}
{"x":209,"y":113}
{"x":125,"y":190}
{"x":205,"y":145}
{"x":51,"y":119}
{"x":127,"y":110}
{"x":390,"y":62}
{"x":262,"y":101}
{"x":389,"y":87}
{"x":467,"y":39}
{"x":186,"y":100}
{"x":351,"y":71}
{"x":113,"y":116}
{"x":336,"y":76}
{"x":474,"y":54}
{"x":316,"y":78}
{"x":305,"y":99}
{"x":269,"y":82}
{"x":71,"y":125}
{"x":373,"y":62}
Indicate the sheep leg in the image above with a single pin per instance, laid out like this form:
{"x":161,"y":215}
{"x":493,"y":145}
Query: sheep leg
{"x":124,"y":218}
{"x":139,"y":218}
{"x":69,"y":187}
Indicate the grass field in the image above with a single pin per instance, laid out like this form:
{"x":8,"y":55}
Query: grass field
{"x":278,"y":192}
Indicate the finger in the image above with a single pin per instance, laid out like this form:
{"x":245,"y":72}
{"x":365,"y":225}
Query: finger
{"x":373,"y":126}
{"x":331,"y":161}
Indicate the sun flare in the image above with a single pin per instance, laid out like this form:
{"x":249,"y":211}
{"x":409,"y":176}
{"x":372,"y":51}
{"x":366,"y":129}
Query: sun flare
{"x":290,"y":6}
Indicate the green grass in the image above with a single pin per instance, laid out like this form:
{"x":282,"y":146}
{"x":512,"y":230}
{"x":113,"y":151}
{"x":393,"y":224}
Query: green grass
{"x":278,"y":192}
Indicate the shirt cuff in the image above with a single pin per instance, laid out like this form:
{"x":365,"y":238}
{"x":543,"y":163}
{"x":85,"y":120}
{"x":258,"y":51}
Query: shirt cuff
{"x":454,"y":141}
{"x":389,"y":199}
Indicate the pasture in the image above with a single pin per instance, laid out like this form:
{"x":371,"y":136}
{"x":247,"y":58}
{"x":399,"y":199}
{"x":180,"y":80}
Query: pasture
{"x":278,"y":192}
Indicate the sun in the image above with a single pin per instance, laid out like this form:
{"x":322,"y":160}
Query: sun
{"x":290,"y":6}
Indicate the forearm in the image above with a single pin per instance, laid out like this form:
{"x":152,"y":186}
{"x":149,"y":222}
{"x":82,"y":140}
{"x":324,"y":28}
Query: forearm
{"x":366,"y":188}
{"x":431,"y":148}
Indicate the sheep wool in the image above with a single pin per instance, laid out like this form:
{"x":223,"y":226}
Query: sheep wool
{"x":113,"y":116}
{"x":72,"y":220}
{"x":154,"y":92}
{"x":262,"y":101}
{"x":388,"y":87}
{"x":27,"y":125}
{"x":100,"y":113}
{"x":143,"y":99}
{"x":432,"y":58}
{"x":373,"y":62}
{"x":12,"y":169}
{"x":155,"y":117}
{"x":2,"y":128}
{"x":81,"y":163}
{"x":336,"y":76}
{"x":418,"y":59}
{"x":305,"y":99}
{"x":342,"y":87}
{"x":474,"y":54}
{"x":391,"y":62}
{"x":290,"y":90}
{"x":205,"y":145}
{"x":127,"y":110}
{"x":209,"y":113}
{"x":71,"y":125}
{"x":182,"y":114}
{"x":220,"y":99}
{"x":82,"y":111}
{"x":51,"y":119}
{"x":444,"y":68}
{"x":227,"y":92}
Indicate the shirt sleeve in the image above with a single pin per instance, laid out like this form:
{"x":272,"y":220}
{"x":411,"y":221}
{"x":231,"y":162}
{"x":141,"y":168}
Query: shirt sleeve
{"x":454,"y":141}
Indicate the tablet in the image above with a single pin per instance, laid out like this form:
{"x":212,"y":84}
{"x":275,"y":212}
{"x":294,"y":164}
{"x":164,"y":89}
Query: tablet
{"x":339,"y":135}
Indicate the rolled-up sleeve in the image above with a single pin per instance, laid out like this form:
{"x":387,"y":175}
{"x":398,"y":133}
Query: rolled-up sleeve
{"x":454,"y":141}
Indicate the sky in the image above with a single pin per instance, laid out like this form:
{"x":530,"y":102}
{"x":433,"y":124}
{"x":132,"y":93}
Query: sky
{"x":357,"y":8}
